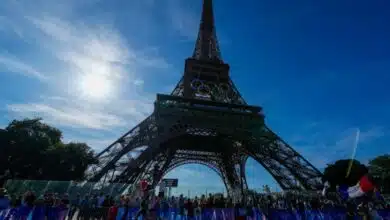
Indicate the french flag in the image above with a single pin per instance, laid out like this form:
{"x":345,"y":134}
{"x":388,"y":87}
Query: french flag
{"x":362,"y":187}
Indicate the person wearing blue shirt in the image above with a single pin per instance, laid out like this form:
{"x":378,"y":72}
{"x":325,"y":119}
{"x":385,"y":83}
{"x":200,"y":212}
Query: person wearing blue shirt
{"x":4,"y":200}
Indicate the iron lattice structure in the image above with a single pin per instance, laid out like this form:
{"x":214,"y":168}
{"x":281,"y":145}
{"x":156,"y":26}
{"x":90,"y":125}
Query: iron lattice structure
{"x":204,"y":120}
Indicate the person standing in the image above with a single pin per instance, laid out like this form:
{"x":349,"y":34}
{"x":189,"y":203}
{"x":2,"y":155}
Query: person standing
{"x":74,"y":205}
{"x":4,"y":200}
{"x":190,"y":209}
{"x":4,"y":203}
{"x":143,"y":208}
{"x":164,"y":205}
{"x":112,"y":212}
{"x":181,"y":205}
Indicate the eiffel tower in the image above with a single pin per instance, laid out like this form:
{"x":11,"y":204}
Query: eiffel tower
{"x":206,"y":121}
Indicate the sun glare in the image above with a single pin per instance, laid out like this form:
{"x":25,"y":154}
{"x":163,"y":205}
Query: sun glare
{"x":95,"y":86}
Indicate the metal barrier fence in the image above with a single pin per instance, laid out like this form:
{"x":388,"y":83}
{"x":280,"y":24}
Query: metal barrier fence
{"x":73,"y":188}
{"x":121,"y":213}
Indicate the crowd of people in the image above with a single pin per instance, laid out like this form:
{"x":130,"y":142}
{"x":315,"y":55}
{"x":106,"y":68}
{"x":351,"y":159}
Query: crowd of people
{"x":100,"y":206}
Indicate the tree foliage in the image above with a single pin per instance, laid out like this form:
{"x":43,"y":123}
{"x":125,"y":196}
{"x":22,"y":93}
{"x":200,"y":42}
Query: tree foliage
{"x":336,"y":173}
{"x":31,"y":149}
{"x":380,"y":168}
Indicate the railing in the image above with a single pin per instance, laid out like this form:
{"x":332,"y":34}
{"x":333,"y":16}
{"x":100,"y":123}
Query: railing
{"x":62,"y":213}
{"x":72,"y":188}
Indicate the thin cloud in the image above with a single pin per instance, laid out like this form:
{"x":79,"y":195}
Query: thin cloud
{"x":66,"y":116}
{"x":323,"y":146}
{"x":79,"y":47}
{"x":64,"y":112}
{"x":74,"y":49}
{"x":345,"y":144}
{"x":12,"y":64}
{"x":7,"y":25}
{"x":97,"y":48}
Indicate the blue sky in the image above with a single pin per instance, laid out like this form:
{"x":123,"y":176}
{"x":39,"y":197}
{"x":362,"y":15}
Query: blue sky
{"x":92,"y":68}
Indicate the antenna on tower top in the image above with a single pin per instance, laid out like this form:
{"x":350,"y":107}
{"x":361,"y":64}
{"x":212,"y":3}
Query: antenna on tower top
{"x":206,"y":47}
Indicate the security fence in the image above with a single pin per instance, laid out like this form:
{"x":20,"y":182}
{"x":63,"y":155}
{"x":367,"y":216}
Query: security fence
{"x":72,"y":188}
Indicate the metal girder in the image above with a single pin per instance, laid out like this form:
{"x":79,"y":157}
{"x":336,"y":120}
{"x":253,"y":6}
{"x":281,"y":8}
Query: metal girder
{"x":206,"y":46}
{"x":218,"y":136}
{"x":112,"y":156}
{"x":305,"y":173}
{"x":204,"y":89}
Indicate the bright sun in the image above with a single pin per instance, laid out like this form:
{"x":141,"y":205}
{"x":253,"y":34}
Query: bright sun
{"x":95,"y":86}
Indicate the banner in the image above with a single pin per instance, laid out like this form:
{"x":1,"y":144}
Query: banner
{"x":60,"y":213}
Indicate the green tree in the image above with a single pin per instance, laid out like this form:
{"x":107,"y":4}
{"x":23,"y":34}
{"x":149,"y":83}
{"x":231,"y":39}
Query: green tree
{"x":71,"y":159}
{"x":337,"y":173}
{"x":31,"y":149}
{"x":380,"y":168}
